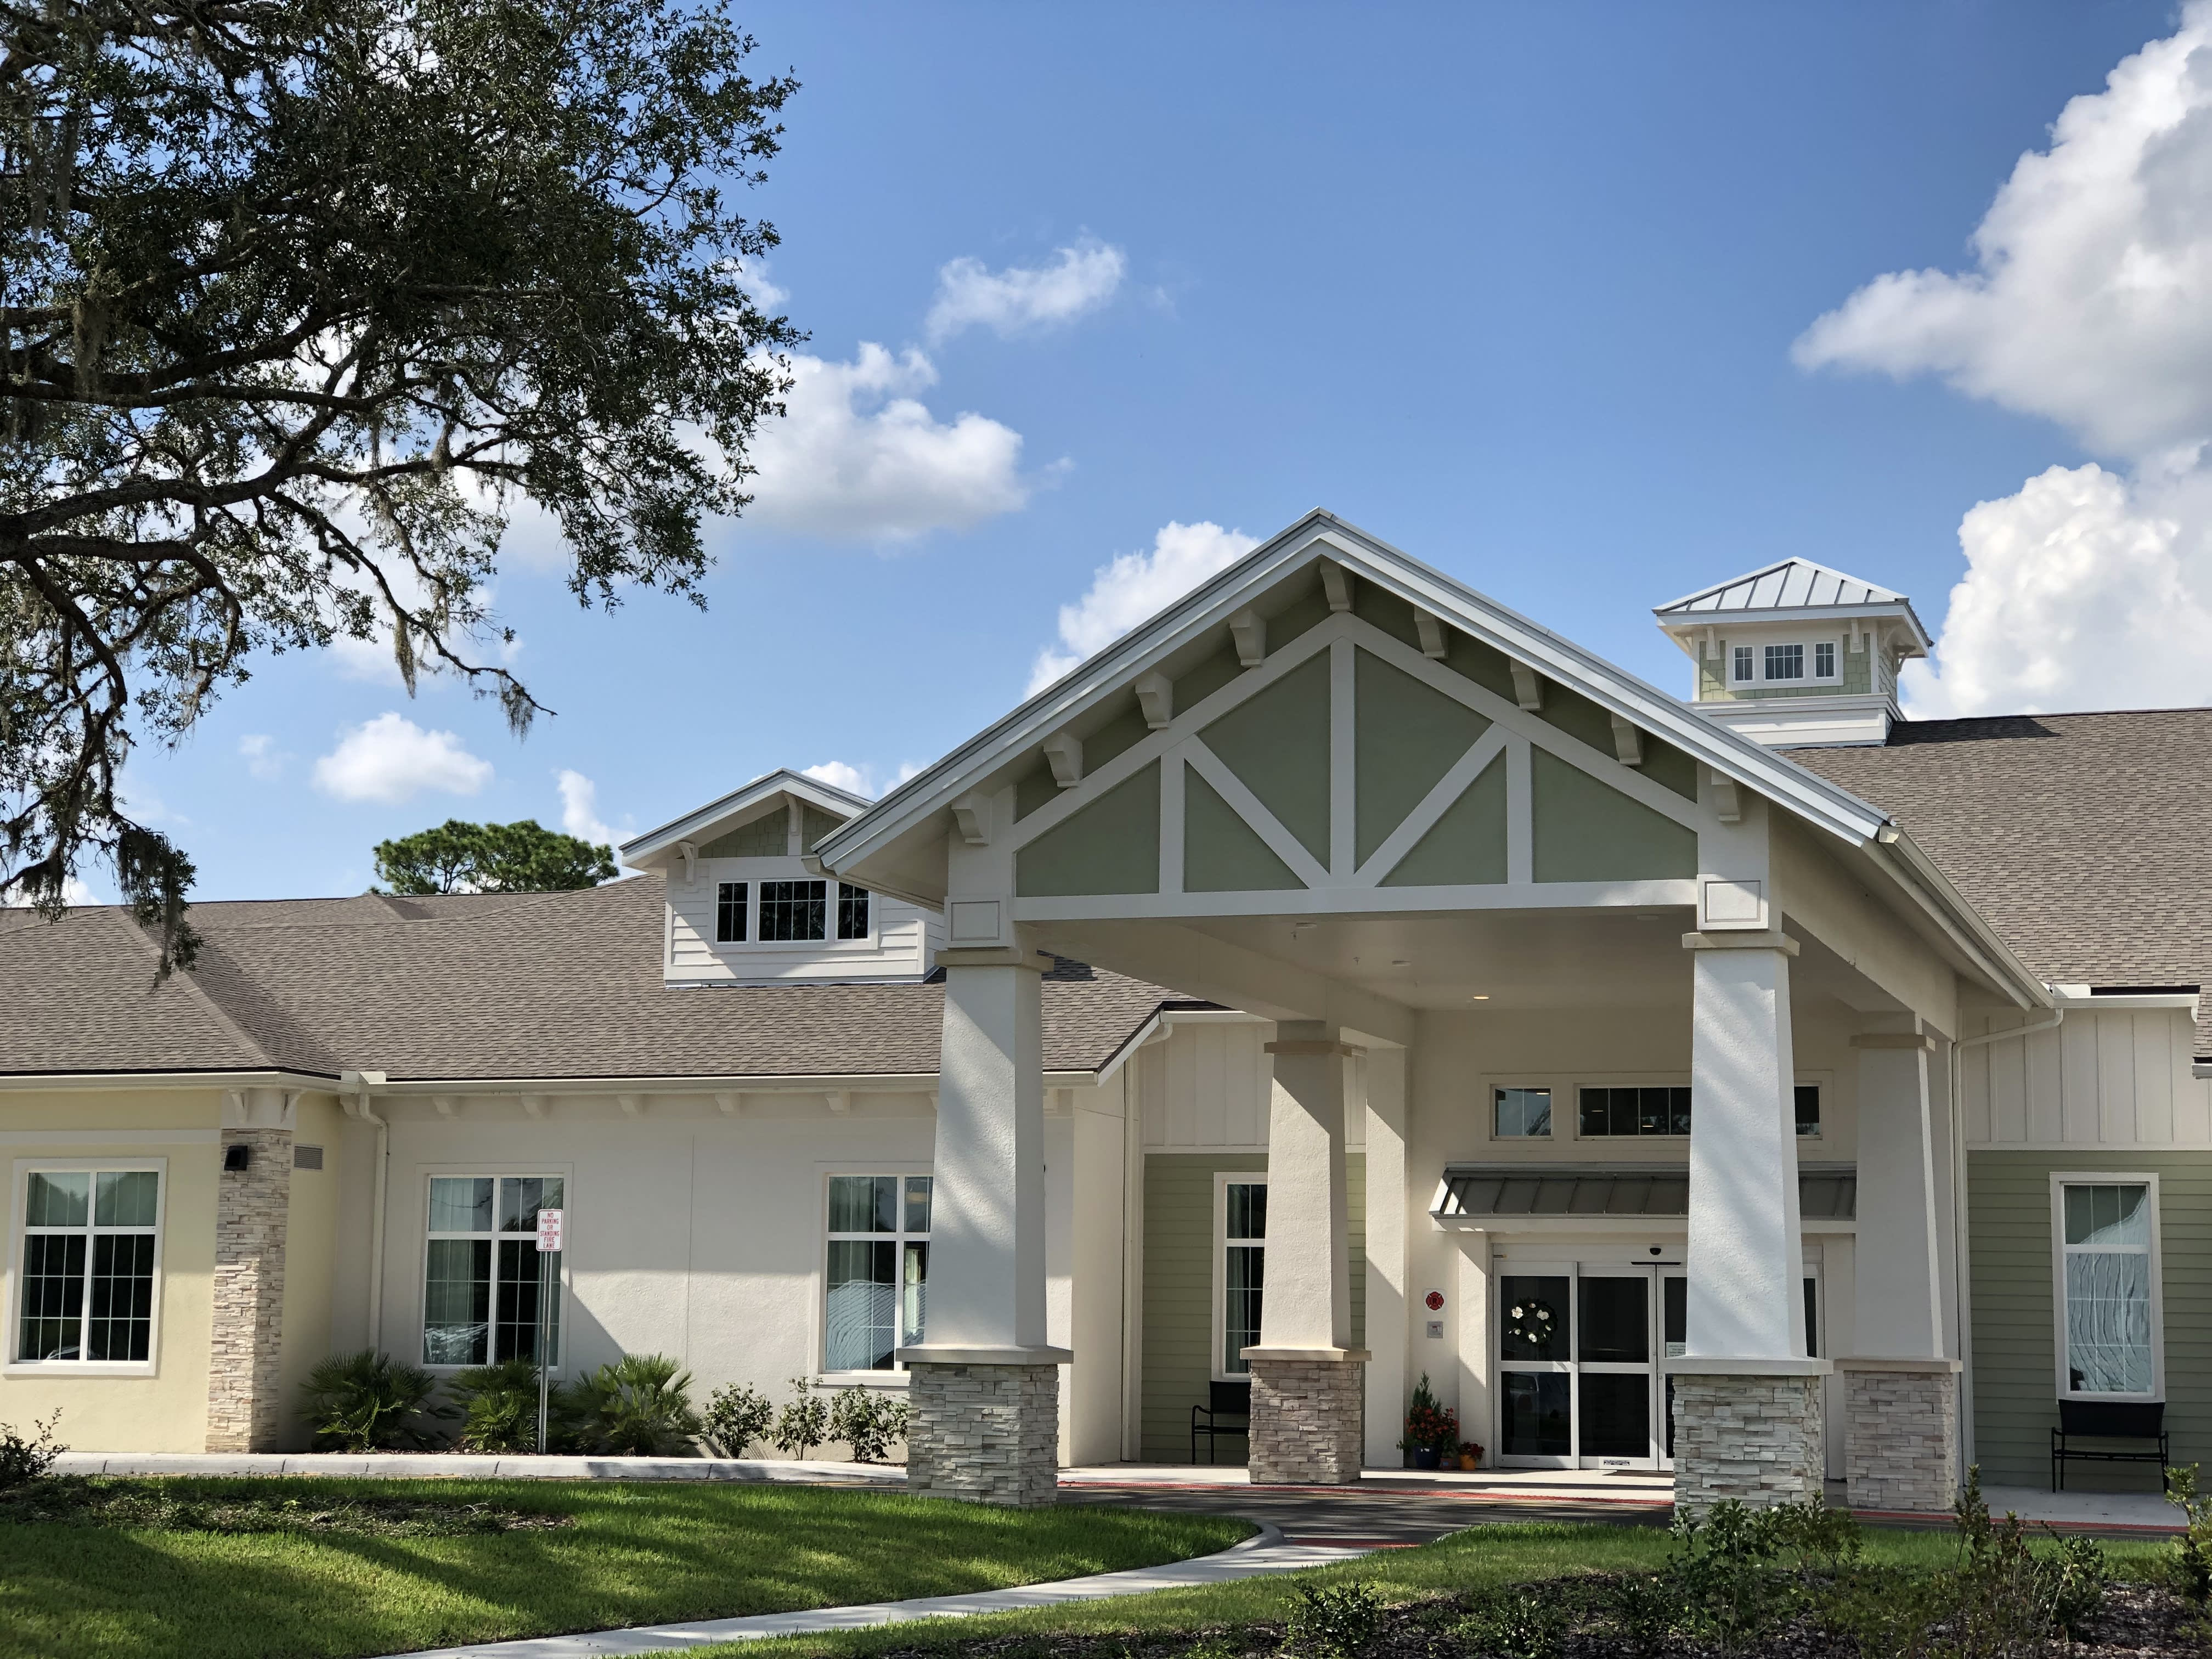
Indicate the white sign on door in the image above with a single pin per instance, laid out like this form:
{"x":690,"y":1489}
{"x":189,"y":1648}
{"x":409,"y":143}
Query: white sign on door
{"x":550,"y":1223}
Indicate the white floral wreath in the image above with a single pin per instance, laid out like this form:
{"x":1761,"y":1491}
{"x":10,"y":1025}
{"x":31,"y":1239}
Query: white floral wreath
{"x":1532,"y":1320}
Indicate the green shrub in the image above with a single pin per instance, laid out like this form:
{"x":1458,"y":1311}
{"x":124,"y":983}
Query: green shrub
{"x":25,"y":1459}
{"x":1336,"y":1621}
{"x":2193,"y":1567}
{"x":369,"y":1401}
{"x":804,"y":1422}
{"x":1523,"y":1621}
{"x":638,"y":1407}
{"x":498,"y":1405}
{"x":868,"y":1422}
{"x":736,"y":1415}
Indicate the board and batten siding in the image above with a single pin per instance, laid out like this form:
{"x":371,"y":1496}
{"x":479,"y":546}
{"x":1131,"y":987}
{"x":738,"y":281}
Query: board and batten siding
{"x":1178,"y":1305}
{"x":2016,"y":1353}
{"x":2095,"y":1080}
{"x":1207,"y":1085}
{"x":905,"y":943}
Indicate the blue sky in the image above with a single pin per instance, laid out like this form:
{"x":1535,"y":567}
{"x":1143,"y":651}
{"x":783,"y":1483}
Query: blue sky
{"x":1515,"y":287}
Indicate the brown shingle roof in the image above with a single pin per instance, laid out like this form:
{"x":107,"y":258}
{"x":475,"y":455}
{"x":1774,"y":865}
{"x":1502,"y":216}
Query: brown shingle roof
{"x":2085,"y":840}
{"x":483,"y":987}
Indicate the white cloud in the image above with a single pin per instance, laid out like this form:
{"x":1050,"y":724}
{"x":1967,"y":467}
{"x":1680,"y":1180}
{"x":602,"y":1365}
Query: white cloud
{"x":390,"y":759}
{"x":858,"y":457}
{"x":2091,"y":298}
{"x":2082,"y":591}
{"x":263,"y":759}
{"x":580,"y":810}
{"x":1025,"y":300}
{"x":765,"y":294}
{"x":74,"y":891}
{"x":858,"y":779}
{"x":1134,"y":589}
{"x":2090,"y":304}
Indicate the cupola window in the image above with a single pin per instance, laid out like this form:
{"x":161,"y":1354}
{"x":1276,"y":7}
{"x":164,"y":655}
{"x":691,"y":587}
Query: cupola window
{"x":1785,"y":662}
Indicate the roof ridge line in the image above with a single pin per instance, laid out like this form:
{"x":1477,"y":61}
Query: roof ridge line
{"x":193,"y":988}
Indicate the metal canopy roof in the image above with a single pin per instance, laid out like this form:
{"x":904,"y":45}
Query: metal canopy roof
{"x":1472,"y":1190}
{"x":1791,"y":585}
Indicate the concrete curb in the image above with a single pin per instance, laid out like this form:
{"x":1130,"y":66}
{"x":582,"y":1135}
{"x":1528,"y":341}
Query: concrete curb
{"x":1264,"y":1553}
{"x":461,"y":1467}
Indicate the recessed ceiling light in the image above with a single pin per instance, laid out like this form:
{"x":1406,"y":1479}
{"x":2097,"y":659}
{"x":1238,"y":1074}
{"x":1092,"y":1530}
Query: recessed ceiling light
{"x":1479,"y":996}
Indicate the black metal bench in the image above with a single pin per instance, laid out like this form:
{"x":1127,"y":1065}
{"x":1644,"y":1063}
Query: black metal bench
{"x":1225,"y":1401}
{"x":2107,"y":1419}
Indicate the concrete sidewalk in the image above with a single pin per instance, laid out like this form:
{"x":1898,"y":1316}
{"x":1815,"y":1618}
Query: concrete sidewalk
{"x":458,"y":1466}
{"x":1266,"y":1553}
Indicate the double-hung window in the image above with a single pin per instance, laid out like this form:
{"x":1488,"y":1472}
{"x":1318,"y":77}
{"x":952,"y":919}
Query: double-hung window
{"x":1742,"y":665}
{"x":1824,"y":660}
{"x":2110,"y":1344}
{"x":481,"y":1270}
{"x":1785,"y":662}
{"x":877,"y":1296}
{"x":1242,"y":1271}
{"x":91,"y":1241}
{"x":730,"y":898}
{"x":852,"y":911}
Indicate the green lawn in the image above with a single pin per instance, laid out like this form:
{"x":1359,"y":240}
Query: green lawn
{"x":644,"y":1553}
{"x":1481,"y":1556}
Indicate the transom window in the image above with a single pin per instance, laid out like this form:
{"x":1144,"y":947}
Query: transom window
{"x":730,"y":912}
{"x":877,"y":1296}
{"x":2107,"y":1289}
{"x":1244,"y":1271}
{"x":481,"y":1270}
{"x":1638,"y":1111}
{"x":1518,"y":1114}
{"x":1785,"y":662}
{"x":90,"y":1237}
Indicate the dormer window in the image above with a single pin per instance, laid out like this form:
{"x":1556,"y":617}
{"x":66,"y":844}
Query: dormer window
{"x":1785,"y":662}
{"x":730,"y":912}
{"x":852,"y":911}
{"x":1743,"y":664}
{"x":1824,"y":660}
{"x":792,"y":910}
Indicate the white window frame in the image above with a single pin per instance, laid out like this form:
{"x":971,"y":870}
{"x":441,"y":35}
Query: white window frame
{"x":1218,"y":1344}
{"x":1743,"y":664}
{"x":898,"y":1373}
{"x":19,"y":1194}
{"x":1490,"y":1088}
{"x":1678,"y":1081}
{"x":753,"y":880}
{"x":1572,"y":1087}
{"x":2060,"y":1181}
{"x":1810,"y":677}
{"x":495,"y":1175}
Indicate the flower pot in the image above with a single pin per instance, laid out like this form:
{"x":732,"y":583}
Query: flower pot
{"x":1469,"y":1461}
{"x":1425,"y":1457}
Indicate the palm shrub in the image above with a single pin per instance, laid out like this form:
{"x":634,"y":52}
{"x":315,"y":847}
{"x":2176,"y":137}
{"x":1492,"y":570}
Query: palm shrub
{"x":804,"y":1423}
{"x":638,"y":1407}
{"x":736,"y":1415}
{"x":369,"y":1401}
{"x":498,"y":1405}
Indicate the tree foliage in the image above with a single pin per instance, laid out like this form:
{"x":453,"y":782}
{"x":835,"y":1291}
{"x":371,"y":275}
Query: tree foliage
{"x":298,"y":299}
{"x":458,"y":857}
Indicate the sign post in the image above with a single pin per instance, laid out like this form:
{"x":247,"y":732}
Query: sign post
{"x":549,"y":1224}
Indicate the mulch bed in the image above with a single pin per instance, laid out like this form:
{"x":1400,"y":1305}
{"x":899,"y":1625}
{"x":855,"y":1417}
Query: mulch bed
{"x":156,"y":1506}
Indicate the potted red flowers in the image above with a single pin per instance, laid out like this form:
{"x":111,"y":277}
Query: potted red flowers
{"x":1432,"y":1429}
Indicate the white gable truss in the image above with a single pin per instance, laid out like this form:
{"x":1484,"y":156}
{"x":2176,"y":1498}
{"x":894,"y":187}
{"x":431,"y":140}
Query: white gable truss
{"x":697,"y":828}
{"x":965,"y":824}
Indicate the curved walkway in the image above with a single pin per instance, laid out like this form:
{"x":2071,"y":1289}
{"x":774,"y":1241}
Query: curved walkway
{"x":1264,"y":1554}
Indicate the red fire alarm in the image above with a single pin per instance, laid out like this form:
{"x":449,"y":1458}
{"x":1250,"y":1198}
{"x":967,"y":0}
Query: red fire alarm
{"x":1435,"y":1299}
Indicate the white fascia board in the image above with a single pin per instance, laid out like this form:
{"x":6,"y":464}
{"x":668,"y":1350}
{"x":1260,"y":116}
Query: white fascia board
{"x":318,"y":1082}
{"x":781,"y":782}
{"x":2082,"y":998}
{"x":1917,"y":875}
{"x":1748,"y":762}
{"x":1689,"y":621}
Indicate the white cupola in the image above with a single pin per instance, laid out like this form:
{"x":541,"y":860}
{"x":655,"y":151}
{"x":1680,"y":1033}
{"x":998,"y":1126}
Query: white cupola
{"x":1797,"y":655}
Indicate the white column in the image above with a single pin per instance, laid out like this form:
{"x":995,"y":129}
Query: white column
{"x":1388,"y":1239}
{"x":1899,"y":1310}
{"x":987,"y":1253}
{"x":1746,"y":1250}
{"x":1308,"y":1304}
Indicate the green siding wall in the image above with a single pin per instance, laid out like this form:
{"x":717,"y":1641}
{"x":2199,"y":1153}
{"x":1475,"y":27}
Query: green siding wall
{"x":1221,"y":853}
{"x":1111,"y":846}
{"x":1178,"y":1310}
{"x":1587,"y":831}
{"x":1408,"y":736}
{"x":765,"y":837}
{"x":2016,"y":1334}
{"x":1277,"y":744}
{"x":1467,"y":844}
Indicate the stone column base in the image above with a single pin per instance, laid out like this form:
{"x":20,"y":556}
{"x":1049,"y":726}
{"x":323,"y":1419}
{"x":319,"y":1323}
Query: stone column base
{"x":1306,"y":1417}
{"x":1901,"y":1433}
{"x":245,"y":1411}
{"x":984,"y":1433}
{"x":1754,"y":1437}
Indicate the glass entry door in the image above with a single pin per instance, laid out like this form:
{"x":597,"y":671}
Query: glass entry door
{"x":1579,"y":1378}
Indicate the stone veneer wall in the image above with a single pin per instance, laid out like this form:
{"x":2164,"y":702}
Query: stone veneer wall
{"x":1754,"y":1438}
{"x":985,"y":1434}
{"x":252,"y":1205}
{"x":1901,"y":1439}
{"x":1306,"y":1422}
